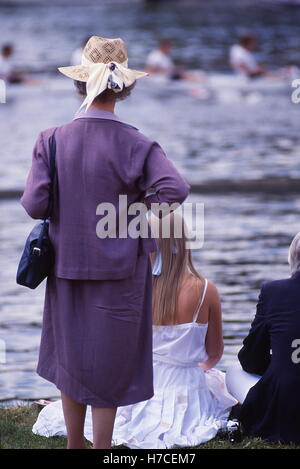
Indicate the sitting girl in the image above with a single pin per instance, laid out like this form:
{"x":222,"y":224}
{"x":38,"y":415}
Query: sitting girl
{"x":190,"y":402}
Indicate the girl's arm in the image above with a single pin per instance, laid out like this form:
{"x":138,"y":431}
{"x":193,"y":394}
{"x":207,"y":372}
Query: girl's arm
{"x":214,"y":338}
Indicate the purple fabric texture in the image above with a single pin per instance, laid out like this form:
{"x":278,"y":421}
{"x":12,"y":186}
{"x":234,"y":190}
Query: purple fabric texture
{"x":96,"y":344}
{"x":98,"y":158}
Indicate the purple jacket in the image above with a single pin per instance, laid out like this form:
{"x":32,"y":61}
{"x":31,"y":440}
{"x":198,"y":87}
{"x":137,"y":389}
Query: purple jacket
{"x":97,"y":158}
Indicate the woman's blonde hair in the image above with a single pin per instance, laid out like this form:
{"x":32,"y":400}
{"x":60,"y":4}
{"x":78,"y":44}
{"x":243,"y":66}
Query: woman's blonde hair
{"x":176,"y":259}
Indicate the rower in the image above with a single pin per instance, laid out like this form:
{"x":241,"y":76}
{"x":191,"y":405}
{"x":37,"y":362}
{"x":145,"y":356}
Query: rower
{"x":242,"y":59}
{"x":159,"y":60}
{"x":7,"y":70}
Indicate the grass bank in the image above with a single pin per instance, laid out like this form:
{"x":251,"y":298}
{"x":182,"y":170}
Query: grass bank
{"x":16,"y":424}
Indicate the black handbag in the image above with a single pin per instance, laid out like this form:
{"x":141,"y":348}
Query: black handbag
{"x":38,"y":256}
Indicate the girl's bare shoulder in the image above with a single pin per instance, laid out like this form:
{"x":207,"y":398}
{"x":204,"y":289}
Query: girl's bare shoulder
{"x":212,"y":290}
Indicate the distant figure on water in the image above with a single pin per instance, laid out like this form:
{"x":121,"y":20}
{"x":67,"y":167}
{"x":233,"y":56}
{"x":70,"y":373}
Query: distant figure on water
{"x":7,"y":70}
{"x":242,"y":58}
{"x":160,"y":62}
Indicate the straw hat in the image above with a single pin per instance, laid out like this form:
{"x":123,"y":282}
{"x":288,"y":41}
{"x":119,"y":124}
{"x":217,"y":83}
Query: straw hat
{"x":104,"y":64}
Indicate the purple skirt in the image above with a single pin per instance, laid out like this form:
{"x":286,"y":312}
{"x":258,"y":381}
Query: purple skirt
{"x":96,"y":344}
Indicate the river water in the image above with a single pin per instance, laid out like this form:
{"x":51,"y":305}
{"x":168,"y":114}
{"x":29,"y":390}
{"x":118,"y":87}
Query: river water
{"x":233,"y":131}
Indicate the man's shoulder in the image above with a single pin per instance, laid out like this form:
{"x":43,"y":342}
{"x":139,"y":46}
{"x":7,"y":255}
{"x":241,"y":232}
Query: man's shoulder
{"x":276,"y":284}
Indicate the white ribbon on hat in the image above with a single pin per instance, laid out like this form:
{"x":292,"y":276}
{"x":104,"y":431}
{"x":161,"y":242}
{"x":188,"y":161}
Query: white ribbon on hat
{"x":112,"y":75}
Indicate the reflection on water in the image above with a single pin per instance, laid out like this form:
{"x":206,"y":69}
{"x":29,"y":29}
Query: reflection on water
{"x":246,"y":243}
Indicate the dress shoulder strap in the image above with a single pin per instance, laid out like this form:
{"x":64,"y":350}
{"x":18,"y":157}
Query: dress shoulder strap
{"x":201,"y":301}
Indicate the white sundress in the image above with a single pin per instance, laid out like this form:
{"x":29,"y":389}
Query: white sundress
{"x":189,"y":405}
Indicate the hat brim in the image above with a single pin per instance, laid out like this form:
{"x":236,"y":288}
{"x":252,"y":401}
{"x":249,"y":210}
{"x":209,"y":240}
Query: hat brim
{"x":81,"y":72}
{"x":76,"y":72}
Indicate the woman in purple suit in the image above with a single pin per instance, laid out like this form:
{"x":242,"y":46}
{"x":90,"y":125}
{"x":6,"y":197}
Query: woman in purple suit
{"x":96,"y":344}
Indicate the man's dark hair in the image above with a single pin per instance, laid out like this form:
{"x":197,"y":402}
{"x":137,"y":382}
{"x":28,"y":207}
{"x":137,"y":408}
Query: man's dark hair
{"x":165,"y":42}
{"x":7,"y":49}
{"x":106,"y":95}
{"x":245,"y":39}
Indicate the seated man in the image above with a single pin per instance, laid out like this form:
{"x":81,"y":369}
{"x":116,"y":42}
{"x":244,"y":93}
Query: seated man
{"x":242,"y":59}
{"x":271,"y":408}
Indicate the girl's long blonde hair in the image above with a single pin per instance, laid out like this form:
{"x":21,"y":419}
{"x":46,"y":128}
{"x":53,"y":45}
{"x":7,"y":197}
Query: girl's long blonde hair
{"x":176,"y":260}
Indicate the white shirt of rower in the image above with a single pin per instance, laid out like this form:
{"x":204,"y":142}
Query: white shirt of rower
{"x":239,"y":57}
{"x":160,"y":60}
{"x":76,"y":56}
{"x":6,"y":67}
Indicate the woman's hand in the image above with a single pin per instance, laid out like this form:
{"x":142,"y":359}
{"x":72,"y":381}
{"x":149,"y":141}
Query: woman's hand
{"x":205,"y":365}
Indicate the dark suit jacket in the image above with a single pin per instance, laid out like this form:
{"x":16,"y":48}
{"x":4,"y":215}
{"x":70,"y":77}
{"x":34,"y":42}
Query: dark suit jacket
{"x":272,"y":407}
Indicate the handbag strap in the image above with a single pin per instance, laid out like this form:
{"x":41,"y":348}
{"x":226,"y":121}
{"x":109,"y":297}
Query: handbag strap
{"x":52,"y":173}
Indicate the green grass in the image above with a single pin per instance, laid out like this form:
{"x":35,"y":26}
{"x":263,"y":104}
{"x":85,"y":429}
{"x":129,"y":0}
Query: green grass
{"x":15,"y":430}
{"x":16,"y":424}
